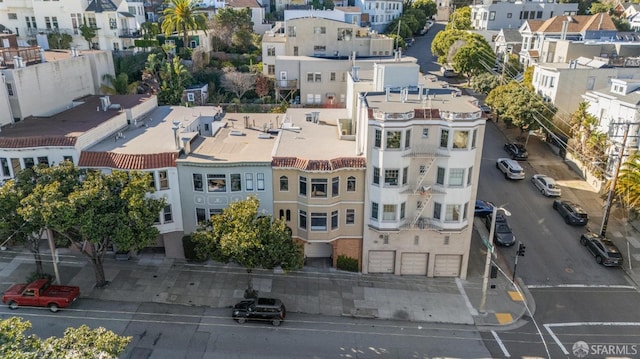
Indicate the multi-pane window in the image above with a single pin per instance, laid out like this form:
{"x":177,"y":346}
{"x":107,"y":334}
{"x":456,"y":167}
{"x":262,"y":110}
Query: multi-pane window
{"x":168,"y":216}
{"x":28,"y":162}
{"x":437,"y":210}
{"x":43,"y":160}
{"x":9,"y":89}
{"x":332,"y":76}
{"x":302,"y":219}
{"x":405,"y":175}
{"x":374,"y":210}
{"x":271,"y":69}
{"x":284,"y":183}
{"x":334,"y":219}
{"x":351,"y":216}
{"x":302,"y":186}
{"x":444,"y":138}
{"x":197,"y":182}
{"x":319,"y":30}
{"x":4,"y":167}
{"x":452,"y":213}
{"x":377,"y":143}
{"x":344,"y":34}
{"x":112,"y":23}
{"x":376,"y":175}
{"x":318,"y":221}
{"x":76,"y":22}
{"x":407,"y":139}
{"x":12,"y":16}
{"x":201,"y":215}
{"x":92,"y":22}
{"x":236,"y":182}
{"x":248,"y":179}
{"x":460,"y":139}
{"x":391,"y":177}
{"x":456,"y":177}
{"x":260,"y":181}
{"x":403,"y":210}
{"x":335,"y":186}
{"x":291,"y":31}
{"x":216,"y":183}
{"x":393,"y":139}
{"x":440,"y":176}
{"x":351,"y":184}
{"x":214,"y":212}
{"x":271,"y":51}
{"x":389,"y":212}
{"x":319,"y":187}
{"x":152,"y":180}
{"x":164,"y":179}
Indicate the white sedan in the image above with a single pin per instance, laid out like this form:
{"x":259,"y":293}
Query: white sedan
{"x":546,"y":185}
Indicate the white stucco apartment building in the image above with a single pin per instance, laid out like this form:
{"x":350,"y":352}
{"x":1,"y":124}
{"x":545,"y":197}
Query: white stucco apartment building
{"x":497,"y":15}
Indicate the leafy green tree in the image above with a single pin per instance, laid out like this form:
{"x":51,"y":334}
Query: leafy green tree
{"x":443,"y":41}
{"x":58,"y":40}
{"x":622,"y":24}
{"x":485,"y":83}
{"x":182,"y":16}
{"x":88,"y":34}
{"x":81,"y":342}
{"x":174,"y":78}
{"x":233,"y":30}
{"x":474,"y":57}
{"x":243,"y":236}
{"x":598,"y":7}
{"x":405,"y":31}
{"x":429,"y":7}
{"x":628,"y":186}
{"x":149,"y":30}
{"x":520,"y":106}
{"x":460,"y":19}
{"x":118,"y":85}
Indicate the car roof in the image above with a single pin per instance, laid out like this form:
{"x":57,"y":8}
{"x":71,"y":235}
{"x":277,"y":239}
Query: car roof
{"x":546,"y":178}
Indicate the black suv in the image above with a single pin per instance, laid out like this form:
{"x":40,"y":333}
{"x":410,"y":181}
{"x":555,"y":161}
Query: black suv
{"x":516,"y":151}
{"x":604,"y":250}
{"x":262,"y":309}
{"x":571,"y":212}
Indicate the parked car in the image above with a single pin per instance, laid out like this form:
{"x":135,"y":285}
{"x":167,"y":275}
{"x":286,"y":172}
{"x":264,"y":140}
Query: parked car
{"x":546,"y":185}
{"x":502,"y":235}
{"x":260,"y":309}
{"x":516,"y":151}
{"x":486,"y":109}
{"x":571,"y":212}
{"x":40,"y":293}
{"x":510,"y":168}
{"x":603,"y":249}
{"x":447,"y":71}
{"x":483,"y":208}
{"x":410,"y":41}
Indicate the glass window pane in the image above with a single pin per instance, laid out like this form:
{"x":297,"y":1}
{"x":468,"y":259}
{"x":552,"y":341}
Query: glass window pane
{"x":460,"y":139}
{"x":236,"y":182}
{"x":216,"y":183}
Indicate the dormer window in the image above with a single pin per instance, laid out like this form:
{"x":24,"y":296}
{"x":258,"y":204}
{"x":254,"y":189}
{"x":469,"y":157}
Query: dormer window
{"x":620,"y":89}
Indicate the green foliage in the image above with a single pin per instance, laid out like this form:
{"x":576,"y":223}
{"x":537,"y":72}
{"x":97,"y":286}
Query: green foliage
{"x":88,"y":33}
{"x":149,"y":31}
{"x":173,"y":78}
{"x":182,"y":16}
{"x":145,"y":43}
{"x":485,"y":82}
{"x":621,"y":23}
{"x":233,"y":30}
{"x":473,"y":57}
{"x":322,"y":4}
{"x":58,"y":40}
{"x":628,"y":187}
{"x":82,"y":342}
{"x":347,"y":263}
{"x":406,"y":29}
{"x":443,"y":41}
{"x":460,"y":19}
{"x":598,"y":7}
{"x":520,"y":106}
{"x":132,"y":65}
{"x":118,"y":85}
{"x":282,"y":108}
{"x":189,"y":247}
{"x":429,"y":7}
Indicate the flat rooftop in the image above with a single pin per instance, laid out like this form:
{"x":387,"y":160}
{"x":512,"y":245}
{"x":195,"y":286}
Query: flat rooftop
{"x":237,"y":140}
{"x":443,"y":99}
{"x":314,"y":141}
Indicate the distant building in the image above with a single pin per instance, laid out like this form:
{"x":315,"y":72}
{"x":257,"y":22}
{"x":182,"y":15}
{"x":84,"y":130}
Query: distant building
{"x":378,"y":14}
{"x":497,"y":15}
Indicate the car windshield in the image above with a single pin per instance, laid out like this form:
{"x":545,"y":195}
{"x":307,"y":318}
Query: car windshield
{"x":503,"y":228}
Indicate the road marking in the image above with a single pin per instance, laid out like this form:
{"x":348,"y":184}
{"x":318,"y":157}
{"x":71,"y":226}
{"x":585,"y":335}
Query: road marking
{"x":613,"y":286}
{"x":472,"y":310}
{"x":580,"y":324}
{"x":504,"y":318}
{"x":515,"y":296}
{"x":500,"y":344}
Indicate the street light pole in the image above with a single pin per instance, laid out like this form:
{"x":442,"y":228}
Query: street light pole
{"x":487,"y":263}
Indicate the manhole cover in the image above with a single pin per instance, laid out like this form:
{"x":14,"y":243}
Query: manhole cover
{"x":568,"y":270}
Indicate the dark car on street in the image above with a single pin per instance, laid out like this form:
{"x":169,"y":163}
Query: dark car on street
{"x":269,"y":310}
{"x":516,"y":151}
{"x":483,"y":208}
{"x":572,"y":213}
{"x":603,"y":249}
{"x":502,"y":235}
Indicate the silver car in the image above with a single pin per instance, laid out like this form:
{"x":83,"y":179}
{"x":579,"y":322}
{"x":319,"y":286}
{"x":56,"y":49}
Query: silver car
{"x":510,"y":168}
{"x":546,"y":185}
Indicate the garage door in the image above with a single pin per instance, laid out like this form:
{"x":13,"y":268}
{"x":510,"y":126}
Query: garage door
{"x":318,"y":250}
{"x":414,"y":264}
{"x":447,"y":265}
{"x":381,"y":261}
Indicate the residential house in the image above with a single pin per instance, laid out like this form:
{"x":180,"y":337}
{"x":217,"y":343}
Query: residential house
{"x":497,"y":15}
{"x":260,"y":25}
{"x":507,"y":41}
{"x":196,"y":95}
{"x":578,"y":28}
{"x":378,"y":14}
{"x":634,"y":22}
{"x":33,"y":77}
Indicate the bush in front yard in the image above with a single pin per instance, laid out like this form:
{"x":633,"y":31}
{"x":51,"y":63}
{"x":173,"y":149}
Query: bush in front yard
{"x":347,"y":263}
{"x":190,"y":250}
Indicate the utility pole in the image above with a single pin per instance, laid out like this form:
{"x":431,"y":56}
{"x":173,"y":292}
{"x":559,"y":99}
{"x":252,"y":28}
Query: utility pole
{"x":614,"y":181}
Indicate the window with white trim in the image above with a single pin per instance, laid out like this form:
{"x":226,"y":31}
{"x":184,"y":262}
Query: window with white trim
{"x":318,"y":221}
{"x":248,"y":179}
{"x":260,"y":181}
{"x":216,"y":183}
{"x":389,"y":212}
{"x":198,"y":185}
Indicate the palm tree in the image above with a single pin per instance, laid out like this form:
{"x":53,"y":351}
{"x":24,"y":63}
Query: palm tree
{"x":628,"y":185}
{"x":182,"y":16}
{"x":118,"y":85}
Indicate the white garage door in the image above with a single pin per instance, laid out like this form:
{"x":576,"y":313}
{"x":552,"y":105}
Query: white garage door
{"x":318,"y":250}
{"x":414,"y":264}
{"x":447,"y":265}
{"x":381,"y":261}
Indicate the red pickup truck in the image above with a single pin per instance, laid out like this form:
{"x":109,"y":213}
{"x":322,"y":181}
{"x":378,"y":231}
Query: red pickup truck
{"x":40,"y":293}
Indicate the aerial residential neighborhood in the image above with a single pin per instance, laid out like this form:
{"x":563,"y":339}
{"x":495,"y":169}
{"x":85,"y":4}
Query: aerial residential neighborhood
{"x":168,"y":168}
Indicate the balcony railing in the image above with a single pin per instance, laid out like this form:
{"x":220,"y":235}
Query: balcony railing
{"x":29,"y":56}
{"x":286,"y":84}
{"x":34,"y":32}
{"x":129,"y":33}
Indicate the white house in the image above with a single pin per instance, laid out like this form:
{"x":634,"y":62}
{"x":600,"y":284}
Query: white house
{"x":378,"y":14}
{"x":497,"y":15}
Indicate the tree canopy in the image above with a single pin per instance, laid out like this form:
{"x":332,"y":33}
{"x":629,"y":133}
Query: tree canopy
{"x":182,"y":16}
{"x":233,"y":30}
{"x":429,"y":7}
{"x":520,"y":106}
{"x":460,"y":19}
{"x":628,"y":187}
{"x":469,"y":53}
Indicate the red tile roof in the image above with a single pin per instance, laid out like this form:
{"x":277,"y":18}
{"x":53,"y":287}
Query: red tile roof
{"x":127,"y":161}
{"x":319,"y":165}
{"x":41,"y":141}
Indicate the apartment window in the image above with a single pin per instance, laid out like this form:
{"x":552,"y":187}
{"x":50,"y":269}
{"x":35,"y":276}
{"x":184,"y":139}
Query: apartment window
{"x":284,"y":183}
{"x":201,"y":216}
{"x":465,"y":209}
{"x":318,"y":221}
{"x":288,"y":215}
{"x":319,"y":30}
{"x":12,"y":16}
{"x":344,"y":34}
{"x":377,"y":143}
{"x":43,"y":161}
{"x":444,"y":138}
{"x":351,"y":216}
{"x":295,"y":51}
{"x":168,"y":216}
{"x":282,"y":214}
{"x":164,"y":179}
{"x":474,"y":138}
{"x":302,"y":186}
{"x":92,"y":22}
{"x":319,"y":49}
{"x":260,"y":181}
{"x":76,"y":22}
{"x":319,"y":187}
{"x":437,"y":210}
{"x":217,"y":183}
{"x":539,"y":15}
{"x":374,"y":210}
{"x":309,"y":76}
{"x":492,"y":16}
{"x":332,"y":76}
{"x":248,"y":179}
{"x":452,"y":213}
{"x":47,"y":22}
{"x":4,"y":166}
{"x":132,"y":9}
{"x":405,"y":176}
{"x":9,"y":89}
{"x":351,"y":184}
{"x":334,"y":219}
{"x":214,"y":212}
{"x":460,"y":139}
{"x":236,"y":182}
{"x":403,"y":210}
{"x":271,"y":51}
{"x":291,"y":31}
{"x":271,"y":69}
{"x":152,"y":180}
{"x":197,"y":182}
{"x":335,"y":186}
{"x":469,"y":175}
{"x":317,"y":77}
{"x":389,"y":212}
{"x":407,"y":139}
{"x":391,"y":177}
{"x":376,"y":175}
{"x":456,"y":177}
{"x":302,"y":219}
{"x":440,"y":176}
{"x":393,"y":139}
